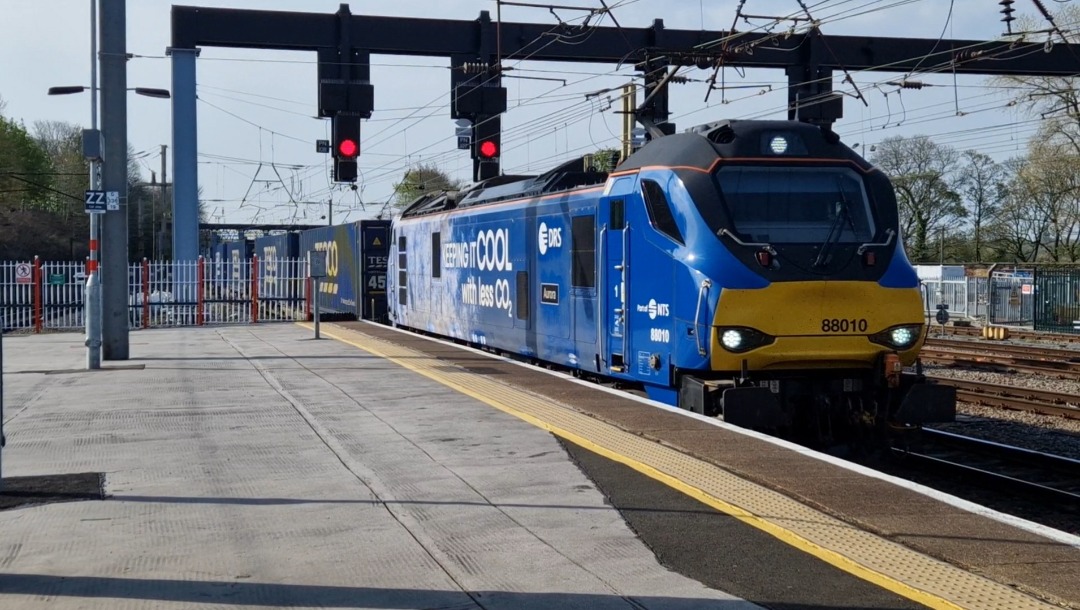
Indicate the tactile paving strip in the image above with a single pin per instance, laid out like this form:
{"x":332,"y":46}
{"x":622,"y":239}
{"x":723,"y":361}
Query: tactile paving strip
{"x":895,"y":567}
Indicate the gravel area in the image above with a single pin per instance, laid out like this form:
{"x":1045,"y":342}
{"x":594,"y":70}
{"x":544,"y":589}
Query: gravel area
{"x":1074,"y":345}
{"x":1019,"y":380}
{"x":1045,"y":433}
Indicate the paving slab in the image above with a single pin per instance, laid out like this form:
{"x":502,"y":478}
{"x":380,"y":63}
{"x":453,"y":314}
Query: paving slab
{"x":256,"y":468}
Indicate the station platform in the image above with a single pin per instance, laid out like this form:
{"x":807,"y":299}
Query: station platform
{"x":257,"y":467}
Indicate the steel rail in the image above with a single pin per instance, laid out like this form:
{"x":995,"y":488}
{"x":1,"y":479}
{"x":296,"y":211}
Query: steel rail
{"x":1016,"y":333}
{"x":1027,"y":351}
{"x":1000,"y":363}
{"x":996,"y":464}
{"x":1015,"y":398}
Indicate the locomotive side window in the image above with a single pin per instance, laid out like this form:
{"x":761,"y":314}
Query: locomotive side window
{"x":403,"y":275}
{"x":436,"y":254}
{"x":522,"y":296}
{"x":583,"y":250}
{"x":659,"y":211}
{"x":618,"y":215}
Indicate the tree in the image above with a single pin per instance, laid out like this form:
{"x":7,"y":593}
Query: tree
{"x":982,"y":183}
{"x":29,"y":200}
{"x":1050,"y":182}
{"x":605,"y":159}
{"x":420,"y":180}
{"x":1018,"y":231}
{"x":24,"y":168}
{"x":923,"y":174}
{"x":1055,"y":99}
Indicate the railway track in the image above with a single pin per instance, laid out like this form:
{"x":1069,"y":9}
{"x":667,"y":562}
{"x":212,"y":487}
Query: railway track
{"x":1062,"y":364}
{"x":1045,"y":402}
{"x":1024,"y":351}
{"x":1014,"y":333}
{"x":997,"y":466}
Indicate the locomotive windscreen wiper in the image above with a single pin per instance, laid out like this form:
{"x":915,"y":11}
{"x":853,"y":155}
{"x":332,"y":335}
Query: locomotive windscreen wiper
{"x":836,"y":229}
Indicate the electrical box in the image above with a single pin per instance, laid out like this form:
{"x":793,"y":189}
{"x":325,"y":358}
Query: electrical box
{"x":93,"y":144}
{"x":316,"y":263}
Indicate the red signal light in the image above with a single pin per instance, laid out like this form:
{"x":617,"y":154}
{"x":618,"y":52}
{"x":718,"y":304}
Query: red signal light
{"x":489,"y":149}
{"x":348,"y":148}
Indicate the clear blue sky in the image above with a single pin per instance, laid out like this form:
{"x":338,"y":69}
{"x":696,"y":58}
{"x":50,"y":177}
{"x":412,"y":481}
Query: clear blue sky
{"x":250,"y":167}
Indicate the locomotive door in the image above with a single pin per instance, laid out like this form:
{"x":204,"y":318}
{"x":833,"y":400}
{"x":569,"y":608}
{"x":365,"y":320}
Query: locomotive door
{"x":613,"y":281}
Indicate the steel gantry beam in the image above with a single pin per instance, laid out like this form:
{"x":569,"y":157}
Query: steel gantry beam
{"x":808,"y":59}
{"x":196,"y":26}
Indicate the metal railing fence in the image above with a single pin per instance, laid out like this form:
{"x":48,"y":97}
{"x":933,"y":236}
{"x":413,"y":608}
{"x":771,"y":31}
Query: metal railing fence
{"x":37,"y":295}
{"x":1012,"y":300}
{"x":1057,"y":293}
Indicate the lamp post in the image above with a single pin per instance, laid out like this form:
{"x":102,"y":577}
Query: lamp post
{"x":92,"y":149}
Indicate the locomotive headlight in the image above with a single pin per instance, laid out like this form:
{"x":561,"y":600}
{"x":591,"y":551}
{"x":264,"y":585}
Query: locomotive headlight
{"x":898,"y":337}
{"x":731,"y":339}
{"x":742,"y":339}
{"x":902,"y":336}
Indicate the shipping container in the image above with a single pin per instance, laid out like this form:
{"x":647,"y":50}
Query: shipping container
{"x":215,"y":271}
{"x":337,"y":292}
{"x":374,"y":246}
{"x":281,"y":273}
{"x":237,"y":259}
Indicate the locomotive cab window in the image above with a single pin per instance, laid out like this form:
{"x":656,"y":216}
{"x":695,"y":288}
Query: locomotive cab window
{"x":660,"y":215}
{"x":796,"y":205}
{"x":583,"y":250}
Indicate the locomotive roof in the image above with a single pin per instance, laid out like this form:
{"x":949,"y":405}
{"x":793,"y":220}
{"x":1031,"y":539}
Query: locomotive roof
{"x":698,"y":147}
{"x":745,"y":139}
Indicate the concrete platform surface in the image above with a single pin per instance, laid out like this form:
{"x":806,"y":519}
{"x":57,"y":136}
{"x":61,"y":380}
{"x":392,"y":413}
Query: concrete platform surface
{"x":267,"y":469}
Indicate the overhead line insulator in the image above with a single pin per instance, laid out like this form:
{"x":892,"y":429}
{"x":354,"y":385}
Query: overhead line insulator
{"x":1007,"y":10}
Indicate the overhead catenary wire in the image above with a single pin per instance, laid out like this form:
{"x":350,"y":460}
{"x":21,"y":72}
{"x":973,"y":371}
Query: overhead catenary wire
{"x":533,"y":128}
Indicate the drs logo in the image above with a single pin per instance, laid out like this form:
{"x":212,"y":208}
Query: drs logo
{"x":549,"y":237}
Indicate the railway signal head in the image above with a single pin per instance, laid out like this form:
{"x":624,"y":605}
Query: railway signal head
{"x":346,"y":141}
{"x":488,"y":149}
{"x":348,"y":147}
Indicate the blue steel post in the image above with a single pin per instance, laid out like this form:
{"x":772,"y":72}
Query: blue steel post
{"x":185,"y":208}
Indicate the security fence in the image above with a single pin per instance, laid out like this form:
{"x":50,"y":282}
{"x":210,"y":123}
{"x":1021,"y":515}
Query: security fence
{"x":38,"y":295}
{"x":1057,"y":293}
{"x":952,"y":293}
{"x":1006,"y":299}
{"x":1012,"y":299}
{"x":41,"y":295}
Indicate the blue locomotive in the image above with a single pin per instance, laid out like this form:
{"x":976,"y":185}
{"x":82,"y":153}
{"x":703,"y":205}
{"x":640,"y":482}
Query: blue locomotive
{"x":747,"y":269}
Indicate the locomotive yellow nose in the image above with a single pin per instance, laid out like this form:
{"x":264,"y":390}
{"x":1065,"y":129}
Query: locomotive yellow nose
{"x":803,"y":325}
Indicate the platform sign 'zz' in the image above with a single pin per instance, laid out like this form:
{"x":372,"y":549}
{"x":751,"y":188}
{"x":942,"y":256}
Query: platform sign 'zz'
{"x":94,"y":202}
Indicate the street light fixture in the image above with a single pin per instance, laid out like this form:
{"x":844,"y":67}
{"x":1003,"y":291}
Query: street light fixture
{"x":147,"y":91}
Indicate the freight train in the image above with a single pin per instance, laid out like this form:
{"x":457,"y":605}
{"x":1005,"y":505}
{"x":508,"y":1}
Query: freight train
{"x":751,"y":270}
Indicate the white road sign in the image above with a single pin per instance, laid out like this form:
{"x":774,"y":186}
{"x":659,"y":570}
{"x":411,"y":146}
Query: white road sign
{"x":23,"y":274}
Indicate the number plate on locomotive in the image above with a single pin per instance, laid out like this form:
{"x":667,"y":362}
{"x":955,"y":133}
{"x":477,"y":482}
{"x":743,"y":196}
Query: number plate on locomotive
{"x":844,"y":325}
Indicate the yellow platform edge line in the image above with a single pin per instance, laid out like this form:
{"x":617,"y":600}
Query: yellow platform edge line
{"x":834,"y":558}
